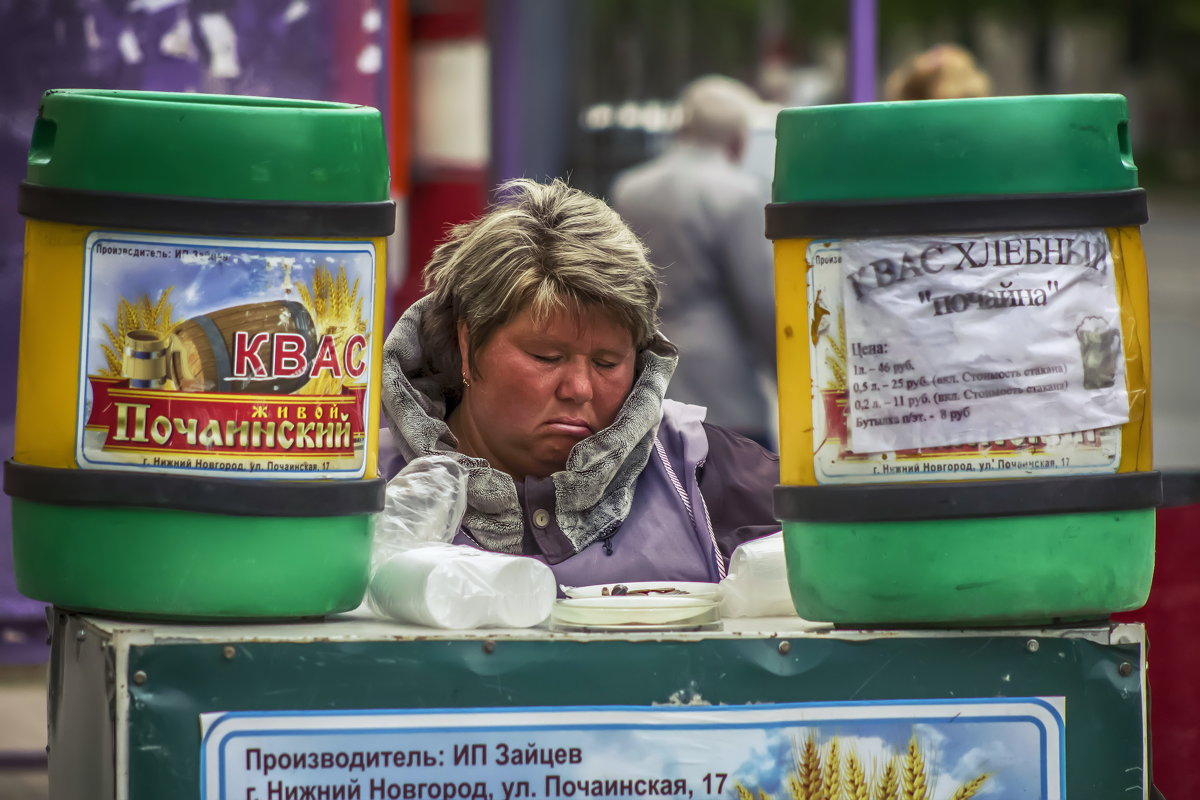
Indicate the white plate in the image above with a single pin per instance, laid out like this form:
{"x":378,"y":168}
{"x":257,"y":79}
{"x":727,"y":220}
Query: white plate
{"x":675,"y":589}
{"x":633,"y":612}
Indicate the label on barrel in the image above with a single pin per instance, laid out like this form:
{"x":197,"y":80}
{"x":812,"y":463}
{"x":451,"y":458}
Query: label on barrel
{"x":951,"y":357}
{"x":231,"y":357}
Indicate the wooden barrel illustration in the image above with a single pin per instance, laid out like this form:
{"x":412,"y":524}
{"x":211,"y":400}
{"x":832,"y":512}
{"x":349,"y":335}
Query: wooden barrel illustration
{"x":204,"y":349}
{"x":144,"y":360}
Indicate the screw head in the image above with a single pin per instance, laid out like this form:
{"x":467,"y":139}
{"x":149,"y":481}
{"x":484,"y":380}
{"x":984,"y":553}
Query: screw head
{"x":1126,"y":669}
{"x":80,"y":635}
{"x":139,"y":677}
{"x":229,"y":652}
{"x":1032,"y":645}
{"x":785,"y":648}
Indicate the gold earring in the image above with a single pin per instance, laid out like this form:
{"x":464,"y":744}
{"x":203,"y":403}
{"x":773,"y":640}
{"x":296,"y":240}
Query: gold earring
{"x":466,"y":384}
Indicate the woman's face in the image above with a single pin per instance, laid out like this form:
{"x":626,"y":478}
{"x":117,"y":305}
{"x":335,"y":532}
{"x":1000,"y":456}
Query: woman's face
{"x":540,"y":388}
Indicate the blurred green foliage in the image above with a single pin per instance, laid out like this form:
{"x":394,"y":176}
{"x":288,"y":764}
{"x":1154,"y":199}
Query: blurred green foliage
{"x":649,"y":49}
{"x":678,"y":39}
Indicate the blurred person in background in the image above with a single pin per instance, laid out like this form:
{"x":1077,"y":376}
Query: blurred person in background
{"x":943,"y":72}
{"x":700,"y":213}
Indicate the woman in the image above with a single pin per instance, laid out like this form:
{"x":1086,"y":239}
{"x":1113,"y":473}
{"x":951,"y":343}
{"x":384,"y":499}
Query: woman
{"x":535,"y":360}
{"x":943,"y":72}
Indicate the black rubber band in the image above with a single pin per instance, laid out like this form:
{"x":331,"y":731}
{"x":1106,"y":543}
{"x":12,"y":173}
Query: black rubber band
{"x":205,"y":215}
{"x":1181,"y":488}
{"x":964,"y":499}
{"x":234,"y":496}
{"x":978,"y":214}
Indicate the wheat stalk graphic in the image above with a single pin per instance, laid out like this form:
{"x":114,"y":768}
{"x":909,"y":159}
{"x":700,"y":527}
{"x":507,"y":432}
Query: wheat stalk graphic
{"x":337,"y":310}
{"x":836,"y":772}
{"x":835,"y":360}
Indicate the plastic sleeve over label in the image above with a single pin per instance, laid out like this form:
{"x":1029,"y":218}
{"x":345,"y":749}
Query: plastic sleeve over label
{"x":226,"y":357}
{"x":965,"y":356}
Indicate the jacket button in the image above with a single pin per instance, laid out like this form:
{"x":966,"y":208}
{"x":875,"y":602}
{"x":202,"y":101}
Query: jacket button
{"x":541,"y":518}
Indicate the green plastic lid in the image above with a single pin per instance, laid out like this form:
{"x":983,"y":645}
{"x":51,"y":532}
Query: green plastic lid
{"x":937,"y":148}
{"x":209,"y":146}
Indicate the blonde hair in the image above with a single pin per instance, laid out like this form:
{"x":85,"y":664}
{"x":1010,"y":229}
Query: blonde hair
{"x":545,"y":247}
{"x":943,"y":72}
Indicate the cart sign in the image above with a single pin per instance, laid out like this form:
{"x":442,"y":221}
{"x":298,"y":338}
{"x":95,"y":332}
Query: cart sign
{"x":932,"y":749}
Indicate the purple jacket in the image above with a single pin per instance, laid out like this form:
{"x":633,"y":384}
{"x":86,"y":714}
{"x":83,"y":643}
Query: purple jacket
{"x":703,"y":491}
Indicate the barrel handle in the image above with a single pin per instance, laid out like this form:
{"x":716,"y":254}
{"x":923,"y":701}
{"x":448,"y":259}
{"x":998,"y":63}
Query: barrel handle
{"x":41,"y":144}
{"x":1123,"y":144}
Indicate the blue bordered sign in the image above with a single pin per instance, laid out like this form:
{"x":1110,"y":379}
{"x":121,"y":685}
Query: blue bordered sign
{"x":230,"y":357}
{"x":936,"y":749}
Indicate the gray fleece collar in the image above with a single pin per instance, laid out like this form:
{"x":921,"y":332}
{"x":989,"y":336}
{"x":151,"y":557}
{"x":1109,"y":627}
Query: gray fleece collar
{"x":593,"y":493}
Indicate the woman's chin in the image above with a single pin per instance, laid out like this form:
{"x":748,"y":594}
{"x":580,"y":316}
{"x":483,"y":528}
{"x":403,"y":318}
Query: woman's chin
{"x":549,"y":462}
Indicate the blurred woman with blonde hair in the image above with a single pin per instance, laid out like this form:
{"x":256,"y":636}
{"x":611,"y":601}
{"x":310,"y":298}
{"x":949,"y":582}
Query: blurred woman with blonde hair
{"x":943,"y":72}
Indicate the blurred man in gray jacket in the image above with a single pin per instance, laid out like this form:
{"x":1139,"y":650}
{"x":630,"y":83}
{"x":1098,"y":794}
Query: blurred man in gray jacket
{"x":701,"y":215}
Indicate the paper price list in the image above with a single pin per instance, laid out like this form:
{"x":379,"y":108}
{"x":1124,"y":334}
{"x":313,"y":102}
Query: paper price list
{"x":887,"y":392}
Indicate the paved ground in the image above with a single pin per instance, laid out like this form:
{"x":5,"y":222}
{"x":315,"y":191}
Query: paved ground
{"x":22,"y":728}
{"x":1172,"y":240}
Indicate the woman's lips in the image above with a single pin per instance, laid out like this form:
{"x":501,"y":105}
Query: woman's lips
{"x":570,"y":427}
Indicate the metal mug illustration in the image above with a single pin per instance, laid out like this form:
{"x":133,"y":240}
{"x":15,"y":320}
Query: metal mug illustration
{"x":1100,"y":350}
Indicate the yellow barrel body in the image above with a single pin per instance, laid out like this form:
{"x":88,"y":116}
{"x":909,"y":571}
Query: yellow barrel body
{"x":963,"y":361}
{"x":200,"y":354}
{"x":53,"y":415}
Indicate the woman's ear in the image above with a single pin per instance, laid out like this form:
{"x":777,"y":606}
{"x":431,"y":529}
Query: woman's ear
{"x":464,"y":349}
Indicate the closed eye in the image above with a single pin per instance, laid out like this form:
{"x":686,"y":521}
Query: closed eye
{"x":604,"y":364}
{"x":544,"y":359}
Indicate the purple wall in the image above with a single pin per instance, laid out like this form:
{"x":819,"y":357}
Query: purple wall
{"x":282,"y":48}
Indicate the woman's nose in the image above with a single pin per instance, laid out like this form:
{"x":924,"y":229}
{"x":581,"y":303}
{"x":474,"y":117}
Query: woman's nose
{"x":575,"y":382}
